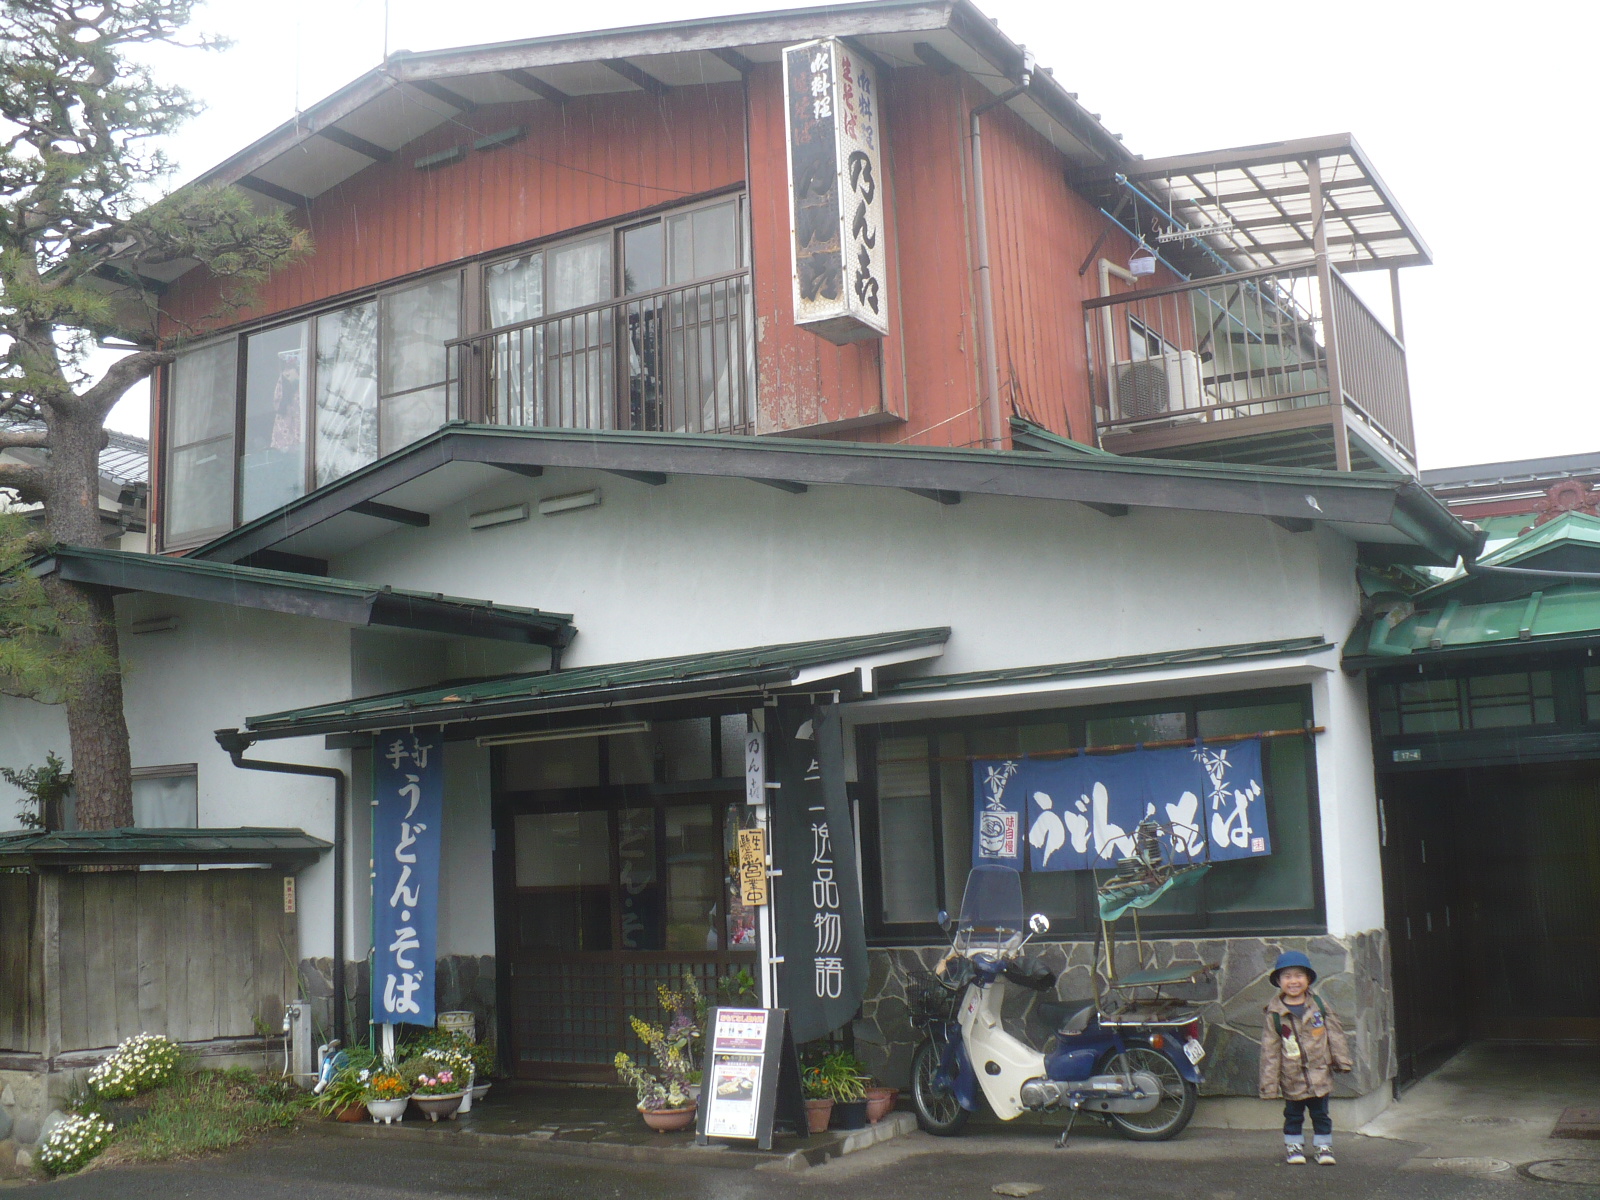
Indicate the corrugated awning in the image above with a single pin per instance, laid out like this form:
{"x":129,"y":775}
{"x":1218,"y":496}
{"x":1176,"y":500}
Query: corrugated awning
{"x":610,"y":685}
{"x":1253,"y":204}
{"x":149,"y":847}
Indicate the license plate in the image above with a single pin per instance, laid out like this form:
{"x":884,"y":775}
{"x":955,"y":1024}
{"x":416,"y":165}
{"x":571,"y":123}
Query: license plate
{"x":1194,"y":1051}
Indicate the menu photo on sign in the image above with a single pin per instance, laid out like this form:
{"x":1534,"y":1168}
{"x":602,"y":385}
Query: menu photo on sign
{"x":733,"y":1085}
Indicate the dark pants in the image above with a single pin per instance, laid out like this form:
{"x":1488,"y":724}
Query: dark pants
{"x":1294,"y":1120}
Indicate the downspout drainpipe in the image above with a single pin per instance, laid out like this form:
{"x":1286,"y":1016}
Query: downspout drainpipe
{"x":991,"y":365}
{"x":236,"y":743}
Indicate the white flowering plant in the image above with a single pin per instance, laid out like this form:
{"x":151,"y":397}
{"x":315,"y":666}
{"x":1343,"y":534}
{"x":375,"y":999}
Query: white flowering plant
{"x":144,"y":1061}
{"x":456,"y":1060}
{"x":73,"y":1143}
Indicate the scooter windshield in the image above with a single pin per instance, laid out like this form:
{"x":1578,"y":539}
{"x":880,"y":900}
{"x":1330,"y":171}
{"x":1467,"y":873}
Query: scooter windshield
{"x":991,"y":909}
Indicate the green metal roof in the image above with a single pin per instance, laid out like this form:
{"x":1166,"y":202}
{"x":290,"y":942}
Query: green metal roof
{"x":1563,"y":615}
{"x":1029,"y":435}
{"x":604,"y":686}
{"x":305,"y":595}
{"x":1502,"y":604}
{"x":140,"y":847}
{"x":1105,"y":666}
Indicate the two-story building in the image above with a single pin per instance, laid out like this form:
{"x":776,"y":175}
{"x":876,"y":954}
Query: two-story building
{"x":835,"y":354}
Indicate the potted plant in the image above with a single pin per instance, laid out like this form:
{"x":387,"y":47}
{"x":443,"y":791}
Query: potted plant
{"x":667,"y":1099}
{"x":344,"y":1097}
{"x":385,"y":1095}
{"x":844,"y":1079}
{"x":880,"y":1101}
{"x":436,"y":1089}
{"x":819,"y":1099}
{"x":482,"y":1067}
{"x":451,"y":1055}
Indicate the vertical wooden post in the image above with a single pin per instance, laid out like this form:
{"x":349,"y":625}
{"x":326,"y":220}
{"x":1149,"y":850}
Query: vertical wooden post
{"x":1330,"y":329}
{"x":48,"y":918}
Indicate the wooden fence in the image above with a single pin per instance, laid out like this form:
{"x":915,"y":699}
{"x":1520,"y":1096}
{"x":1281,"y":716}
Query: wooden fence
{"x":88,"y":959}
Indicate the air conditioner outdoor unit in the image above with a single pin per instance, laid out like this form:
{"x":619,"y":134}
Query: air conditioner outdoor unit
{"x":1163,"y":384}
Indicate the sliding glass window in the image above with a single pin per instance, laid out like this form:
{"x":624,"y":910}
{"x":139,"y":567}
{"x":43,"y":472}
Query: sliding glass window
{"x":200,"y":425}
{"x":347,"y":390}
{"x":272,"y":469}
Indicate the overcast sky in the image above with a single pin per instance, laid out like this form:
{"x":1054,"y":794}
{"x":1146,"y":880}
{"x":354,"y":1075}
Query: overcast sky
{"x":1479,"y":118}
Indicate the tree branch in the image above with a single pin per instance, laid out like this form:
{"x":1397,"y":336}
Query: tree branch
{"x":37,"y":438}
{"x":27,"y":482}
{"x":122,"y":375}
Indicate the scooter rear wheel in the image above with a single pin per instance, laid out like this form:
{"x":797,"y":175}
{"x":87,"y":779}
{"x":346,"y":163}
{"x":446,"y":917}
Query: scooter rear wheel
{"x":1179,"y":1097}
{"x":938,"y":1110}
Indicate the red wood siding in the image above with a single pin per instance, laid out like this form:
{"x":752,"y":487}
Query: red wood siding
{"x":588,"y":160}
{"x":1040,"y":232}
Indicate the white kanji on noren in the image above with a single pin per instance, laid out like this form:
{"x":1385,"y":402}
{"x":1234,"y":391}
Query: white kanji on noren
{"x":830,"y":929}
{"x":829,"y":978}
{"x":824,"y":890}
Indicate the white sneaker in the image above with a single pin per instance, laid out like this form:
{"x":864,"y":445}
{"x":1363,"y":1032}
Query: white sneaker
{"x":1325,"y":1156}
{"x":1297,"y":1155}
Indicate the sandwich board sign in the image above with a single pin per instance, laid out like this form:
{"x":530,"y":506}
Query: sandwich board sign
{"x":751,"y":1077}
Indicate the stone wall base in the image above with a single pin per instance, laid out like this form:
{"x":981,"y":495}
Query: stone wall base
{"x":1353,"y":981}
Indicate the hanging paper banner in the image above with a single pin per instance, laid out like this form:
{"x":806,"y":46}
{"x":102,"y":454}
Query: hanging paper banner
{"x":1080,"y":813}
{"x":408,"y":783}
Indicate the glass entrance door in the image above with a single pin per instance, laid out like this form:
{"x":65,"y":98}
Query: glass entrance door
{"x":611,"y":900}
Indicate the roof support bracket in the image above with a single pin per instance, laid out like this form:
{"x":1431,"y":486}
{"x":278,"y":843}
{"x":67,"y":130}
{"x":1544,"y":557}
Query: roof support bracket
{"x":272,"y":191}
{"x":783,"y":485}
{"x":1292,"y":524}
{"x":350,"y":141}
{"x":640,"y":79}
{"x":653,"y":478}
{"x":388,"y":512}
{"x":530,"y":81}
{"x":937,"y":495}
{"x":527,"y":470}
{"x":1110,"y":510}
{"x":438,"y":91}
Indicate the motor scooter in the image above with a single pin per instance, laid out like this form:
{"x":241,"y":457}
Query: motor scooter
{"x":1132,"y":1063}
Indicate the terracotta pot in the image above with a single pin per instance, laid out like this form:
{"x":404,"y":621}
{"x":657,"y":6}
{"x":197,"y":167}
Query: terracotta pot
{"x":668,"y":1120}
{"x":352,"y":1114}
{"x":434,"y":1107}
{"x":818,"y":1114}
{"x":386,"y":1112}
{"x":880,"y":1103}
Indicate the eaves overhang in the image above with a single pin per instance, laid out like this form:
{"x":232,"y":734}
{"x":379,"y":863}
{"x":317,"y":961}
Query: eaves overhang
{"x":58,"y":849}
{"x":341,"y":600}
{"x":752,"y":670}
{"x":1366,"y":508}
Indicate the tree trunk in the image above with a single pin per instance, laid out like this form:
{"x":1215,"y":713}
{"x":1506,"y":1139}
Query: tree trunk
{"x":101,"y":769}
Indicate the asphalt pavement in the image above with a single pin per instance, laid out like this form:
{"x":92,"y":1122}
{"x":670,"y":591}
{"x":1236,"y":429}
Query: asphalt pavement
{"x":1201,"y":1165}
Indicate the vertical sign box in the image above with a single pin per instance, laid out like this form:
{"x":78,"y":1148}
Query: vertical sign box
{"x":835,"y":139}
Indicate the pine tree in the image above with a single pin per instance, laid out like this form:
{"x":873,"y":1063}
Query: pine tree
{"x":80,"y":119}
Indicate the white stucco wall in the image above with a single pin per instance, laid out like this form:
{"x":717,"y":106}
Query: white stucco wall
{"x":28,"y":731}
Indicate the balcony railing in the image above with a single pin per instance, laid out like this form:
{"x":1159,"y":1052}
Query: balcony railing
{"x":676,"y":360}
{"x":1180,"y":360}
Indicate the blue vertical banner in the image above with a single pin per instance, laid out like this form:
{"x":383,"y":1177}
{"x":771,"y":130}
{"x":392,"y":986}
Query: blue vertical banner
{"x":1080,"y":813}
{"x":408,"y":784}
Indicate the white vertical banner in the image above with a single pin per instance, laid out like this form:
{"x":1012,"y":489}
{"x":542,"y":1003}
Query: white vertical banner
{"x":835,"y":142}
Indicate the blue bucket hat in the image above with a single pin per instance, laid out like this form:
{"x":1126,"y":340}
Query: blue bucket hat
{"x":1292,"y":958}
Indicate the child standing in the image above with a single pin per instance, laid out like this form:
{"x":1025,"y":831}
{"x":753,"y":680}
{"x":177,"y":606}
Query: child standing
{"x":1302,"y":1043}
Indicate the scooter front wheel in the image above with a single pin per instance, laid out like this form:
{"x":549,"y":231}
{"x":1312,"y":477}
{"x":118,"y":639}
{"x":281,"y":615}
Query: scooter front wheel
{"x":938,"y":1110}
{"x":1178,"y":1096}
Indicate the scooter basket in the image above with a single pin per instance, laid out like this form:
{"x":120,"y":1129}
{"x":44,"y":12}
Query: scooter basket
{"x":930,"y":999}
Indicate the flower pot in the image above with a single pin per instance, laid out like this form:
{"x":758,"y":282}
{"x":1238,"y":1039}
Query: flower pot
{"x":386,"y":1112}
{"x":849,"y":1114}
{"x":479,"y":1091}
{"x":880,"y":1103}
{"x":668,"y":1120}
{"x":434,"y":1107}
{"x":817,"y":1114}
{"x":351,"y":1114}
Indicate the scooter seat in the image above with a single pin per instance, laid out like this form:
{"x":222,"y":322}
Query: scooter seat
{"x":1066,"y":1016}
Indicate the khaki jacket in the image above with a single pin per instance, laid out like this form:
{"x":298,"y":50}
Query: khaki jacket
{"x":1322,"y":1047}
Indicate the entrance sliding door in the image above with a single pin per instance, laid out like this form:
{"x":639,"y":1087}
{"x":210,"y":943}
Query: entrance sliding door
{"x":611,"y":898}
